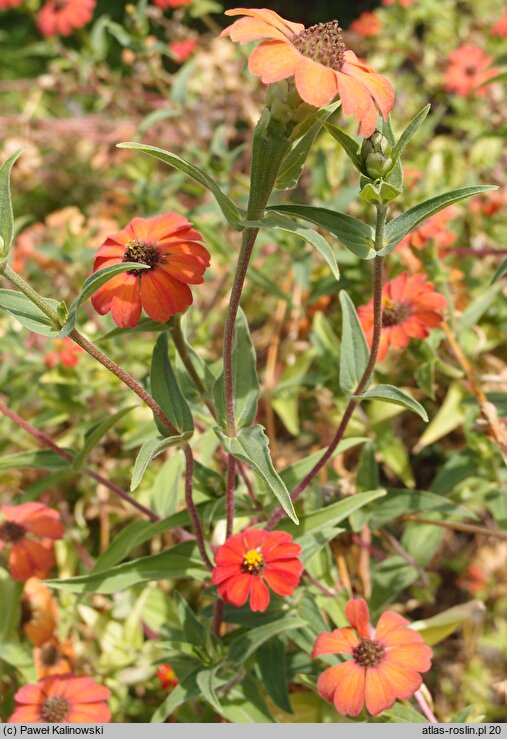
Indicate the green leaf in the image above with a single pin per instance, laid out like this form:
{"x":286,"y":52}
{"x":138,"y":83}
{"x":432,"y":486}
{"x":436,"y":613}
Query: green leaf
{"x":354,"y":352}
{"x":350,"y":146}
{"x":19,"y":656}
{"x":332,"y":514}
{"x":164,"y":494}
{"x":246,"y":381}
{"x":228,"y":208}
{"x":294,"y":473}
{"x":90,"y":286}
{"x":149,"y":450}
{"x":435,"y":629}
{"x":252,"y":446}
{"x":6,"y":214}
{"x":206,"y":680}
{"x":399,"y":227}
{"x":400,"y":502}
{"x":173,"y":564}
{"x":10,"y":597}
{"x":276,"y":220}
{"x":478,"y":307}
{"x":166,"y":391}
{"x":37,"y":459}
{"x":176,"y":698}
{"x":462,"y":716}
{"x":356,"y":236}
{"x":245,"y":704}
{"x":410,"y":131}
{"x":449,"y":417}
{"x":501,"y":271}
{"x":27,"y":313}
{"x":271,"y":658}
{"x":380,"y":193}
{"x":96,"y":433}
{"x":403,"y":714}
{"x":194,"y":631}
{"x":391,"y":394}
{"x":242,"y":647}
{"x":395,"y":176}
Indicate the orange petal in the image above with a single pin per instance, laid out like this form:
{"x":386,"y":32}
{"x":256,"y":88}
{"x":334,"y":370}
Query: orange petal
{"x":387,"y":623}
{"x":84,"y":690}
{"x":414,"y":656}
{"x":126,"y":303}
{"x":102,"y":299}
{"x":378,"y":691}
{"x":273,"y":61}
{"x":283,"y":583}
{"x":150,"y":230}
{"x":403,"y":683}
{"x":29,"y":694}
{"x":26,"y":715}
{"x":358,"y":615}
{"x":316,"y":84}
{"x":377,"y":85}
{"x":156,"y":296}
{"x":259,"y":594}
{"x":344,"y":684}
{"x":94,"y":713}
{"x":340,"y":641}
{"x":271,"y":18}
{"x":186,"y":268}
{"x":250,"y":29}
{"x":252,"y":538}
{"x":236,"y":589}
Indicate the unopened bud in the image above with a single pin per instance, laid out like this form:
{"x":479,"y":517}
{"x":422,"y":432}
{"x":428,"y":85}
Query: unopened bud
{"x":376,"y":153}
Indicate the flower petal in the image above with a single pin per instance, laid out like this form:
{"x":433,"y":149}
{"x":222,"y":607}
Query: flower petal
{"x":316,"y":84}
{"x":126,"y":303}
{"x":251,"y":29}
{"x":344,"y":684}
{"x":273,"y":61}
{"x":235,"y":590}
{"x":271,"y":18}
{"x":358,"y":615}
{"x":388,"y":622}
{"x":378,"y":691}
{"x":259,"y":594}
{"x":339,"y":641}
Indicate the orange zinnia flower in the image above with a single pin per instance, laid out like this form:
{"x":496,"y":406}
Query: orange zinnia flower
{"x":38,"y":612}
{"x":500,"y":27}
{"x":368,"y":24}
{"x":65,"y":352}
{"x":28,"y":557}
{"x":410,"y":306}
{"x":54,"y":658}
{"x":248,"y":560}
{"x":169,"y":246}
{"x":317,"y":59}
{"x":62,"y":699}
{"x":167,"y":676}
{"x":385,"y":663}
{"x":468,"y":71}
{"x":61,"y":17}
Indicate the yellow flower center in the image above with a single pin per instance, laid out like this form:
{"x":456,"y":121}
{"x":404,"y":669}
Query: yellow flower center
{"x":253,"y":562}
{"x":142,"y":253}
{"x":393,"y":312}
{"x":54,"y":709}
{"x":323,"y":43}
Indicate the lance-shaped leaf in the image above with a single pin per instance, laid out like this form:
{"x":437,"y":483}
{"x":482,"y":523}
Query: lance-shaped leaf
{"x":395,"y":176}
{"x":410,"y":131}
{"x":399,"y":227}
{"x":6,"y":214}
{"x":27,"y":313}
{"x":278,"y":221}
{"x":349,"y":145}
{"x":166,"y":391}
{"x":501,"y":271}
{"x":354,"y":353}
{"x":356,"y":236}
{"x":151,"y":449}
{"x":91,"y":285}
{"x":228,"y":208}
{"x":252,"y":446}
{"x":246,"y":382}
{"x":391,"y":394}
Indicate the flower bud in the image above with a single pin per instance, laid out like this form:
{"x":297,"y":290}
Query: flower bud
{"x":376,"y":154}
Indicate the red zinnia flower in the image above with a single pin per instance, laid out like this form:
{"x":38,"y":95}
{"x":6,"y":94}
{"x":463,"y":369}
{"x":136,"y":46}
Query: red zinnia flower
{"x":468,"y":71}
{"x":410,"y":306}
{"x":181,"y":50}
{"x":317,"y":59}
{"x":165,"y":4}
{"x":500,"y":27}
{"x":368,"y":24}
{"x":385,"y":663}
{"x":169,"y":246}
{"x":65,"y":352}
{"x":62,"y":699}
{"x":247,"y":560}
{"x":167,"y":676}
{"x":61,"y":17}
{"x":6,"y":4}
{"x":29,"y":557}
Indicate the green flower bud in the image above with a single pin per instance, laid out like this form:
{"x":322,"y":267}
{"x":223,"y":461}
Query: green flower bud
{"x":376,"y":154}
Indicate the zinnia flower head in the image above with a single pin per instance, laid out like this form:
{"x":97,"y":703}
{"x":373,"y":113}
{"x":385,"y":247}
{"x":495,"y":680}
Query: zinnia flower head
{"x":500,"y":27}
{"x":62,"y":699}
{"x":317,"y":59}
{"x":65,"y":352}
{"x":61,"y":17}
{"x":410,"y":306}
{"x":171,"y":249}
{"x":248,"y":562}
{"x":29,"y":557}
{"x":39,"y":612}
{"x":367,"y":25}
{"x":468,"y":71}
{"x":54,"y":658}
{"x":384,"y":666}
{"x":166,"y":675}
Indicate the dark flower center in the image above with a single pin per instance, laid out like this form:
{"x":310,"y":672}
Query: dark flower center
{"x":27,"y":612}
{"x":323,"y":43}
{"x":11,"y":532}
{"x":49,"y":655}
{"x":54,"y":709}
{"x":368,"y":653}
{"x":394,"y":313}
{"x":253,"y":562}
{"x":142,"y":253}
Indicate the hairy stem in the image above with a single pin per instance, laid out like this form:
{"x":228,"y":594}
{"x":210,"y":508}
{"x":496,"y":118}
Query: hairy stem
{"x":229,"y":495}
{"x":189,"y":500}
